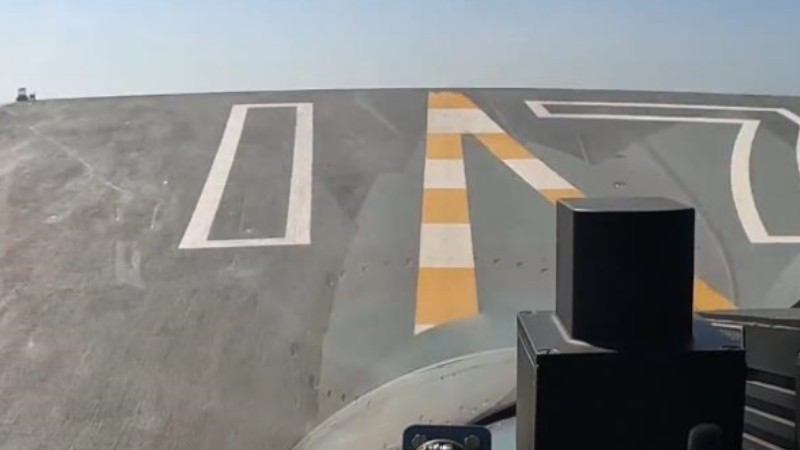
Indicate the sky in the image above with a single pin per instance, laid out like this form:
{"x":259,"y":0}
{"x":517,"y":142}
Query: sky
{"x":78,"y":48}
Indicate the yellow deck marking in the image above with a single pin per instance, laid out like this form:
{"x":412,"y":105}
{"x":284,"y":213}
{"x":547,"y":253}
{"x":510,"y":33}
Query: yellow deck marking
{"x":442,"y":100}
{"x":446,"y":279}
{"x":450,"y":293}
{"x":554,"y":195}
{"x":444,"y":146}
{"x":503,"y":146}
{"x":445,"y":294}
{"x":445,"y":206}
{"x":707,"y":298}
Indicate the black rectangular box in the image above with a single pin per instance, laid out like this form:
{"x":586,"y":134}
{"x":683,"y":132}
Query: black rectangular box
{"x":621,"y":259}
{"x":575,"y":396}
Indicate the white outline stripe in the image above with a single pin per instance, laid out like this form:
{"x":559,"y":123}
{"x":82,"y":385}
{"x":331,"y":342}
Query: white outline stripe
{"x":460,"y":121}
{"x":445,"y":174}
{"x":642,"y":118}
{"x":537,"y":174}
{"x":741,"y":185}
{"x":538,"y":109}
{"x":200,"y":224}
{"x":298,"y":221}
{"x":445,"y":245}
{"x":538,"y":106}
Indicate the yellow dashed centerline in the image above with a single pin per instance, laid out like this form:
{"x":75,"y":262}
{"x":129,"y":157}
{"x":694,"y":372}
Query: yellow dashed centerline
{"x":444,"y":295}
{"x":446,"y":287}
{"x":449,"y":100}
{"x":444,"y":146}
{"x":445,"y":206}
{"x":554,"y":195}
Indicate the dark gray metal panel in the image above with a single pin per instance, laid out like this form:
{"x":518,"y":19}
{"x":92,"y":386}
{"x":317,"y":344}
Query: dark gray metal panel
{"x":764,"y":394}
{"x":750,"y":442}
{"x":539,"y":330}
{"x":789,"y":317}
{"x":772,"y":350}
{"x":772,"y":428}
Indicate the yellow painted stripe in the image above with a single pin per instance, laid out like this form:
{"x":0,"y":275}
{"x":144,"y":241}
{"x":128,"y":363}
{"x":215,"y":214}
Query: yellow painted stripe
{"x":438,"y":100}
{"x":445,"y":294}
{"x":503,"y":146}
{"x":707,"y":298}
{"x":444,"y":146}
{"x":554,"y":195}
{"x":445,"y":206}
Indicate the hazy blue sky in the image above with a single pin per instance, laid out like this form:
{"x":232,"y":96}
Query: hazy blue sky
{"x":64,"y":48}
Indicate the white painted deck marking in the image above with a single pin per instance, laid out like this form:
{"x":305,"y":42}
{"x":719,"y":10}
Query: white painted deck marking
{"x":741,"y":186}
{"x":444,"y":174}
{"x":460,"y":121}
{"x":419,"y":328}
{"x":538,"y":174}
{"x":446,"y":245}
{"x":298,"y":220}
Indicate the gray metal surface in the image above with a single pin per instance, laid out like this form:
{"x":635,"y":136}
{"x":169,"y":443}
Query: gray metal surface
{"x":434,"y":394}
{"x":110,"y":335}
{"x":504,"y":434}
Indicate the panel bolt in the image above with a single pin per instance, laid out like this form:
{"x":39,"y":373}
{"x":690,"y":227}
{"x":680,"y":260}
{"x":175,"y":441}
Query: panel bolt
{"x":472,"y":442}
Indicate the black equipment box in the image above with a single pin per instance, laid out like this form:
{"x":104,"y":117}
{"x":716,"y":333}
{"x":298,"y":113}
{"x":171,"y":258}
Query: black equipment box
{"x":572,"y":395}
{"x":622,"y":363}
